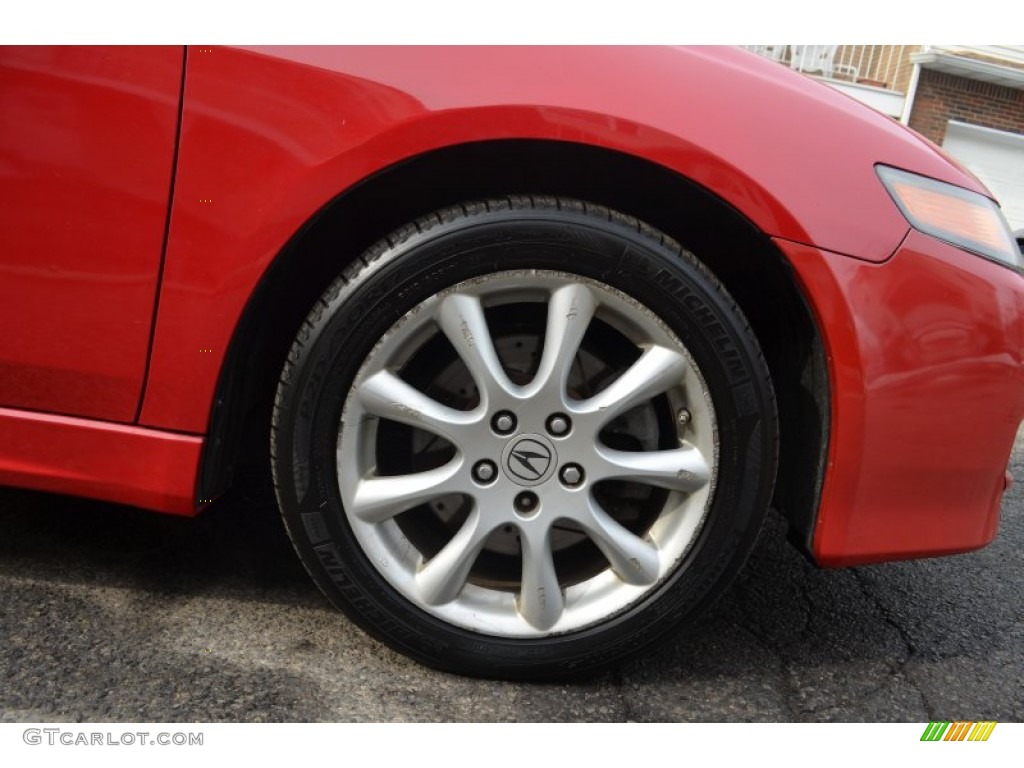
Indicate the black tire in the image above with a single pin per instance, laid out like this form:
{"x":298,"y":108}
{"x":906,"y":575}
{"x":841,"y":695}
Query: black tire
{"x":563,"y":240}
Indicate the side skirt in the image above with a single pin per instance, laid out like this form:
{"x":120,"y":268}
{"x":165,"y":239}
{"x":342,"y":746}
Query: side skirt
{"x":113,"y":462}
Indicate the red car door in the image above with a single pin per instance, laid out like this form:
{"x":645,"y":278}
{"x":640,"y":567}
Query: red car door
{"x":87,"y":140}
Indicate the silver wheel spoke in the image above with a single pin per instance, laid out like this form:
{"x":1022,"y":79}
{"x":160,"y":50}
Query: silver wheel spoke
{"x":634,"y":560}
{"x":680,"y":469}
{"x":385,"y":395}
{"x":377,"y":499}
{"x":540,"y":598}
{"x":570,"y":310}
{"x":658,"y":369}
{"x":441,"y":579}
{"x":462,"y":320}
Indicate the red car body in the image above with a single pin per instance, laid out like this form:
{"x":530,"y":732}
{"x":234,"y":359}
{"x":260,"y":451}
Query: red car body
{"x":158,"y":204}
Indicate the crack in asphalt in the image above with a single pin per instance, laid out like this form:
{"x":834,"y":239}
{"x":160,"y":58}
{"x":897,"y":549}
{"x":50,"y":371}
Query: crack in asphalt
{"x":618,"y":680}
{"x":898,"y":669}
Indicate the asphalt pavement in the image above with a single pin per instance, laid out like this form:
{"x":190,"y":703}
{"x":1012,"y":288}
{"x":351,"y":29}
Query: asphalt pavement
{"x":114,"y":614}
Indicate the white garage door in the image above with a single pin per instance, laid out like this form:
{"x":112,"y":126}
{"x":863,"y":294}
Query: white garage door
{"x":997,"y":158}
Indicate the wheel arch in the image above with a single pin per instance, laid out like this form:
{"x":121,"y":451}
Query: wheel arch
{"x":741,"y":256}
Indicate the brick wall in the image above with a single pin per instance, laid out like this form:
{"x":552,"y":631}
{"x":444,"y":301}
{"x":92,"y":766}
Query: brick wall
{"x":942,"y":97}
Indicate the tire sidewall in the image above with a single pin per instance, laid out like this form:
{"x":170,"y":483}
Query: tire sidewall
{"x":362,"y":306}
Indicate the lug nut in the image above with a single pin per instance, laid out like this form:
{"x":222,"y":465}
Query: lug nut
{"x":684,"y":417}
{"x":484,"y":471}
{"x":559,"y":424}
{"x":503,"y":422}
{"x":572,"y":474}
{"x":526,"y":502}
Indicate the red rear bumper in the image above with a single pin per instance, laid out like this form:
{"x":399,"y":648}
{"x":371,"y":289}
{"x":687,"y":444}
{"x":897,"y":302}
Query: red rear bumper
{"x":926,"y":361}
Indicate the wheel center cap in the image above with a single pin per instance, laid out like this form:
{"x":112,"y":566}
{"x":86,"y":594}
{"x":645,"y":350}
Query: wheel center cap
{"x":529,"y":459}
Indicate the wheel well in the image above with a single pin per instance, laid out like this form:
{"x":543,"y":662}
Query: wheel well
{"x":742,"y":257}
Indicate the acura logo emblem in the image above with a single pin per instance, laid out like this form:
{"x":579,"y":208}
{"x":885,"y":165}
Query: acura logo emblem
{"x":529,"y":460}
{"x":531,"y":464}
